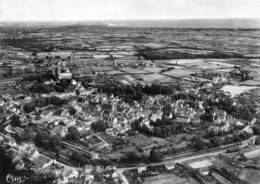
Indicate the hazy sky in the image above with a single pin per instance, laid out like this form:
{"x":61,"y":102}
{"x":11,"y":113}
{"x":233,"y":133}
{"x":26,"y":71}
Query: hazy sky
{"x":126,"y":9}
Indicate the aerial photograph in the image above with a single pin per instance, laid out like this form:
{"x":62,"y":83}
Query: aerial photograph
{"x":129,"y":92}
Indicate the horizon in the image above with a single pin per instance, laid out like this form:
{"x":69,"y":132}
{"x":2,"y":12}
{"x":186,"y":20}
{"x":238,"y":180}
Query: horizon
{"x":87,"y":10}
{"x":159,"y":19}
{"x":210,"y":23}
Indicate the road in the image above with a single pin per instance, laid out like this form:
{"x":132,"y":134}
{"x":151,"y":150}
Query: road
{"x":189,"y":156}
{"x":177,"y":158}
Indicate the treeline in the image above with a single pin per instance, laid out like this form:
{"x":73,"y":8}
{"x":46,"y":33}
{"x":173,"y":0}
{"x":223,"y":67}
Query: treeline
{"x":151,"y":54}
{"x":30,"y":44}
{"x":42,"y":102}
{"x":245,"y":112}
{"x":130,"y":93}
{"x":199,"y":143}
{"x":161,"y":128}
{"x":59,"y":86}
{"x":48,"y":75}
{"x":134,"y":158}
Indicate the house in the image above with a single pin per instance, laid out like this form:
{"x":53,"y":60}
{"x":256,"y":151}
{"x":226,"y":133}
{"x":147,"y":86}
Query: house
{"x":12,"y":143}
{"x":85,"y":175}
{"x":196,"y":118}
{"x":183,"y":117}
{"x":29,"y":150}
{"x":248,"y":130}
{"x":219,"y":116}
{"x":67,"y":176}
{"x":88,"y":179}
{"x":110,"y":167}
{"x":204,"y":171}
{"x":170,"y":165}
{"x":155,"y":116}
{"x":87,"y":169}
{"x":70,"y":174}
{"x":115,"y":175}
{"x":141,"y":168}
{"x":201,"y":165}
{"x":99,"y":169}
{"x":65,"y":75}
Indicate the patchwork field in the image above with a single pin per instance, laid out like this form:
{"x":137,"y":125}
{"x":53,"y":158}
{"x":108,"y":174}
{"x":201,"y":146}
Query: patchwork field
{"x":178,"y":73}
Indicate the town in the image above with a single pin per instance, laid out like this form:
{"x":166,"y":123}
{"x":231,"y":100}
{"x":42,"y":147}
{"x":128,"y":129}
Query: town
{"x":99,"y":104}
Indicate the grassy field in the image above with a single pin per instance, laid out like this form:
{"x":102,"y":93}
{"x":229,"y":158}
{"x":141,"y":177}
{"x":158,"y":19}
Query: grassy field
{"x":252,"y":176}
{"x":178,"y":73}
{"x":133,"y":71}
{"x":150,"y":78}
{"x":165,"y":179}
{"x":236,"y":90}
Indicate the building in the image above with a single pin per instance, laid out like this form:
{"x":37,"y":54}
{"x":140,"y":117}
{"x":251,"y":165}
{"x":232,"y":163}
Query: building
{"x":170,"y":166}
{"x":65,"y":75}
{"x":141,"y":168}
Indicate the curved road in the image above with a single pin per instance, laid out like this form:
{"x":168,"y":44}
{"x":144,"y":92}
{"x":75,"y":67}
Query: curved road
{"x":173,"y":159}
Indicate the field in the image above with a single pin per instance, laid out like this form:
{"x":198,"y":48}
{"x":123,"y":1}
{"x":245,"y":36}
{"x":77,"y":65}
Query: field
{"x":141,"y":141}
{"x":133,"y":71}
{"x":178,"y":73}
{"x":168,"y":80}
{"x":165,"y":179}
{"x":187,"y":62}
{"x":236,"y":90}
{"x":251,"y":82}
{"x":252,"y":176}
{"x":150,"y":78}
{"x":153,"y":69}
{"x":114,"y":72}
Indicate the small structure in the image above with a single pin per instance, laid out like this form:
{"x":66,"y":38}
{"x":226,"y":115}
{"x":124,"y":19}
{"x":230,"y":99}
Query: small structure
{"x":170,"y":166}
{"x":141,"y":168}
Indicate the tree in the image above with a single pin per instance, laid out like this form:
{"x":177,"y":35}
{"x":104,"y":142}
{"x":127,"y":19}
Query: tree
{"x":198,"y":143}
{"x":56,"y":101}
{"x":79,"y":158}
{"x":144,"y":129}
{"x":131,"y":157}
{"x":40,"y":88}
{"x":155,"y":156}
{"x":77,"y":92}
{"x":158,"y":131}
{"x":72,"y":110}
{"x":55,"y":143}
{"x":99,"y":126}
{"x":15,"y":121}
{"x":42,"y":138}
{"x":40,"y":102}
{"x":73,"y":134}
{"x":164,"y":131}
{"x":256,"y":129}
{"x":29,"y":107}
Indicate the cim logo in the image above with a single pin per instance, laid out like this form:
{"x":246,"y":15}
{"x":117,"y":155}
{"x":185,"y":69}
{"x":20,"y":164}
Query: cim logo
{"x":11,"y":179}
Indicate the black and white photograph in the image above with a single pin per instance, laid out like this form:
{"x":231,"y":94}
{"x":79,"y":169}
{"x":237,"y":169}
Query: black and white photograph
{"x":129,"y":91}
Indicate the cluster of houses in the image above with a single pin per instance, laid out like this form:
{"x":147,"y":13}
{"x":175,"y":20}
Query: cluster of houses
{"x":225,"y":123}
{"x":25,"y":156}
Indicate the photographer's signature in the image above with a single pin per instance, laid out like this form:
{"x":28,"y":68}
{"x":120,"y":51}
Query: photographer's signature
{"x":11,"y":179}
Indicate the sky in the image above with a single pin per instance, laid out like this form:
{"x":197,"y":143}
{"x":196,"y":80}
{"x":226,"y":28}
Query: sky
{"x":63,"y":10}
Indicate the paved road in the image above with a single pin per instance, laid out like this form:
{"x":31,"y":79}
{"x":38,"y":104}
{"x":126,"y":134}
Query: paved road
{"x":190,"y":156}
{"x":178,"y":158}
